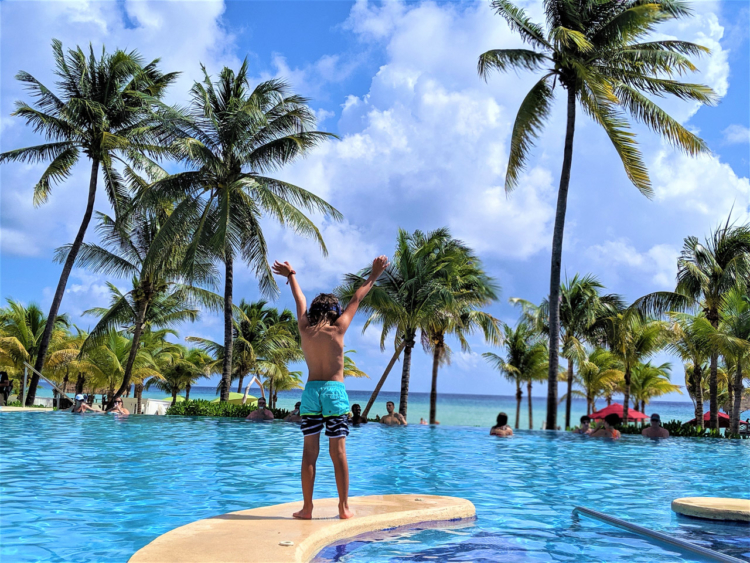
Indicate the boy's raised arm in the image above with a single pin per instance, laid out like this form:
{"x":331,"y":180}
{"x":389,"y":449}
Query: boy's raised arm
{"x":378,"y":267}
{"x":285,"y":269}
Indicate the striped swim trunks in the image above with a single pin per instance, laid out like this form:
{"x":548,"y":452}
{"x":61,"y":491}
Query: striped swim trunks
{"x":336,"y":426}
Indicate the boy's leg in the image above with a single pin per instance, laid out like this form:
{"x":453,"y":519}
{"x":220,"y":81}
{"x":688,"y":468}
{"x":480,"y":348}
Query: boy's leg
{"x":309,"y":458}
{"x":337,"y":449}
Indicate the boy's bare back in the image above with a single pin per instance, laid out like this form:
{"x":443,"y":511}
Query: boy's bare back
{"x":324,"y":350}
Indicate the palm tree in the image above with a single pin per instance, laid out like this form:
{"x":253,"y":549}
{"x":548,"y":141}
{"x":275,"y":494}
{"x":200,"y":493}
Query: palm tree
{"x":598,"y":375}
{"x":104,"y":112}
{"x":232,"y":137}
{"x":21,"y":331}
{"x":180,"y":370}
{"x":649,"y":381}
{"x":525,"y":356}
{"x":632,"y":339}
{"x":732,"y":340}
{"x":594,"y":49}
{"x":350,"y":366}
{"x":705,"y":274}
{"x":694,"y":353}
{"x":582,"y":310}
{"x":160,"y":296}
{"x":406,"y":299}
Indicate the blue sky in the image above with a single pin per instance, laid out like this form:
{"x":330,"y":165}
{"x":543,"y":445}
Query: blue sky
{"x":423,"y":144}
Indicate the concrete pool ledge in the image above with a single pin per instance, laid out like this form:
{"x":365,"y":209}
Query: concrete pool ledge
{"x":713,"y":508}
{"x":264,"y":534}
{"x":25,"y":409}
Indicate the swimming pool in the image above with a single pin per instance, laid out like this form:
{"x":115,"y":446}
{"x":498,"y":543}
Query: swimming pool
{"x":96,"y":488}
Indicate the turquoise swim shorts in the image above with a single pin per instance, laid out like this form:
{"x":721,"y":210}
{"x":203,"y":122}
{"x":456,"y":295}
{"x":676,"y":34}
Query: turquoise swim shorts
{"x":324,"y":398}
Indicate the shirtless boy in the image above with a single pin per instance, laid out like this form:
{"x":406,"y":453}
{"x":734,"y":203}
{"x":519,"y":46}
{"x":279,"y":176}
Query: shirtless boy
{"x":393,"y":418}
{"x":324,"y":400}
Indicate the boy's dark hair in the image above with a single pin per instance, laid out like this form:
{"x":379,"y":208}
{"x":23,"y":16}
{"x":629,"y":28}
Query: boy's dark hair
{"x":325,"y":307}
{"x":613,"y":419}
{"x":502,"y":419}
{"x":585,"y":418}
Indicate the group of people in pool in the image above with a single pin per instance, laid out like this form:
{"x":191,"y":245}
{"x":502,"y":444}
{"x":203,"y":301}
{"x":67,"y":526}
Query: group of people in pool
{"x":606,"y":430}
{"x":80,"y":406}
{"x":263,"y":413}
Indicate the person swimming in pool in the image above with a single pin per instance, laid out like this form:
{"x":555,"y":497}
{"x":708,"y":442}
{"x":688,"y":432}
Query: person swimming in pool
{"x":393,"y":418}
{"x":324,"y":400}
{"x":609,"y":430}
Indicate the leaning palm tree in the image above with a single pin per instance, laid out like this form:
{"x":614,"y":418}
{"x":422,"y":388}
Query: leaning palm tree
{"x":524,"y":357}
{"x":104,"y":112}
{"x":595,"y":51}
{"x":706,"y":272}
{"x":232,"y":138}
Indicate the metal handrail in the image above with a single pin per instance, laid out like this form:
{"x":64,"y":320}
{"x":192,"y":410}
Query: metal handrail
{"x":658,"y":536}
{"x":52,"y":383}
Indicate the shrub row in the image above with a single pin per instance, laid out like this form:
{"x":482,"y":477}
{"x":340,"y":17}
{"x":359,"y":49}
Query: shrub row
{"x":680,"y":430}
{"x":200,"y":407}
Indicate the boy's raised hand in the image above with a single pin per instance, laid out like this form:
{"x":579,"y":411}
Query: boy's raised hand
{"x":378,"y":266}
{"x":282,"y":268}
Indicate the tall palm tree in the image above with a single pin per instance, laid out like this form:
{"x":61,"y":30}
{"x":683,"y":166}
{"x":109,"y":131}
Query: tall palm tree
{"x":632,"y":339}
{"x":232,"y":137}
{"x":21,"y":332}
{"x":694,"y":353}
{"x":598,"y":374}
{"x":706,"y":272}
{"x":732,"y":339}
{"x":595,"y":51}
{"x":524,"y":357}
{"x":649,"y":381}
{"x":161,"y":295}
{"x":104,"y":112}
{"x":406,"y":298}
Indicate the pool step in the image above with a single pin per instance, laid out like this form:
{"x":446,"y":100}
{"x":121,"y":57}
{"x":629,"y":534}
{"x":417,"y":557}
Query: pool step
{"x":713,"y":508}
{"x":271,"y":535}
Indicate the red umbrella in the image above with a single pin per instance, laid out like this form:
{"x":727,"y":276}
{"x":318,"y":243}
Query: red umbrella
{"x":616,"y":408}
{"x":723,"y":420}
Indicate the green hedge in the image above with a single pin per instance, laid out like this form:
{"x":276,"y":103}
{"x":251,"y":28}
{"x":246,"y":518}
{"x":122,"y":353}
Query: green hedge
{"x":680,"y":430}
{"x":200,"y":407}
{"x":18,"y":404}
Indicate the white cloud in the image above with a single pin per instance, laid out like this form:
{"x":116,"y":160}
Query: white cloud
{"x":659,"y":262}
{"x":737,"y":134}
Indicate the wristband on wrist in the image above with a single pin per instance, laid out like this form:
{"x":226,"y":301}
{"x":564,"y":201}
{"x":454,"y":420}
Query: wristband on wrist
{"x":292,"y":273}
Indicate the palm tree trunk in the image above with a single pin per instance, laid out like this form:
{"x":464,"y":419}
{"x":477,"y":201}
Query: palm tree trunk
{"x":729,"y":408}
{"x":65,"y":382}
{"x":383,"y":377}
{"x":139,"y":325}
{"x":609,"y":400}
{"x":713,"y":392}
{"x":139,"y":397}
{"x":626,"y":396}
{"x":270,"y":393}
{"x":405,"y":374}
{"x":519,"y":396}
{"x":61,"y":284}
{"x":239,"y":386}
{"x":174,"y":396}
{"x":187,"y":392}
{"x":589,"y":403}
{"x":735,"y":426}
{"x":226,"y":368}
{"x":556,"y":264}
{"x":433,"y":390}
{"x":569,"y":398}
{"x":698,"y":379}
{"x":79,"y":383}
{"x":531,"y":410}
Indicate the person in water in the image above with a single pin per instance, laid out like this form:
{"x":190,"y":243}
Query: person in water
{"x":609,"y":430}
{"x":393,"y":418}
{"x":261,"y":413}
{"x":118,"y":408}
{"x":501,"y":428}
{"x":80,"y":405}
{"x":585,"y":427}
{"x":294,"y":416}
{"x":357,"y":417}
{"x":324,"y":400}
{"x":655,"y":430}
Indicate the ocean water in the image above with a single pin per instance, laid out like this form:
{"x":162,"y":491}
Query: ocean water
{"x":96,"y":488}
{"x":457,"y":409}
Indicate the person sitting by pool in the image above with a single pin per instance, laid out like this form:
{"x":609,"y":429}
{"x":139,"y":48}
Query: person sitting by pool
{"x":585,"y":427}
{"x":294,"y":416}
{"x":6,"y":387}
{"x":501,"y":428}
{"x":393,"y":418}
{"x":118,"y":408}
{"x":261,"y":413}
{"x":422,"y":421}
{"x":609,"y":430}
{"x":80,"y":405}
{"x":356,"y":417}
{"x":655,"y":430}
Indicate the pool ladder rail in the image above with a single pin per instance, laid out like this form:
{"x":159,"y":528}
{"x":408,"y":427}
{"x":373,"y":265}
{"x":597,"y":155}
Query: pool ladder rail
{"x":703,"y":552}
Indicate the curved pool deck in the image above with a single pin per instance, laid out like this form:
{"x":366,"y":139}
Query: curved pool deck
{"x":264,"y":534}
{"x":713,"y":508}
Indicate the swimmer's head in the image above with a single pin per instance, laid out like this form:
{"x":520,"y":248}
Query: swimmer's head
{"x":325,"y":308}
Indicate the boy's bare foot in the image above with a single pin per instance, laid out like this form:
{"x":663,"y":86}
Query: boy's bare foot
{"x":344,"y":512}
{"x":304,"y":514}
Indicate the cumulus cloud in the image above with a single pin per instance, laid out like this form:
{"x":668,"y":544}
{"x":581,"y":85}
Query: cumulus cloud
{"x":658,"y":262}
{"x":736,"y":134}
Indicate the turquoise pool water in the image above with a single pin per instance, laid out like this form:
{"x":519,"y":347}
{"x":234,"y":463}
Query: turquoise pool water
{"x":96,"y":488}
